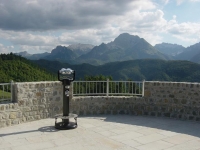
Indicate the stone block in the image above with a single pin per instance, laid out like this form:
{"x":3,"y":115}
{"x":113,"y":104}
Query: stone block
{"x":38,"y":94}
{"x":25,"y":109}
{"x":194,"y":113}
{"x":2,"y":107}
{"x":32,"y":113}
{"x":21,"y":102}
{"x":122,"y":112}
{"x":19,"y":114}
{"x":15,"y":121}
{"x":41,"y":107}
{"x":159,"y":114}
{"x":29,"y":103}
{"x":2,"y":123}
{"x":166,"y":114}
{"x":58,"y":99}
{"x":147,"y":93}
{"x":139,"y":112}
{"x":171,"y":96}
{"x":12,"y":115}
{"x":153,"y":114}
{"x":191,"y":117}
{"x":55,"y":93}
{"x":183,"y":101}
{"x":37,"y":117}
{"x":35,"y":101}
{"x":26,"y":114}
{"x":34,"y":108}
{"x":197,"y":119}
{"x":29,"y":118}
{"x":8,"y":122}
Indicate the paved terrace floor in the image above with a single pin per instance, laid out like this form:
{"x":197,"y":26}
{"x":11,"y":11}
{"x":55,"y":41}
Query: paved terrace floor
{"x":121,"y":132}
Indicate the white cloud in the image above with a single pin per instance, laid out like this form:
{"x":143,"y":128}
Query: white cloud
{"x":45,"y":24}
{"x":5,"y":49}
{"x":179,"y":2}
{"x":186,"y":31}
{"x":195,"y":0}
{"x":35,"y":49}
{"x":186,"y":39}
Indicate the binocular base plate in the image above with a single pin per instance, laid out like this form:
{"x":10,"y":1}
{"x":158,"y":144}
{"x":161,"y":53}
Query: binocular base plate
{"x":66,"y":124}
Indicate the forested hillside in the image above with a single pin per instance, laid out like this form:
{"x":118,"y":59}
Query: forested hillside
{"x":148,"y":69}
{"x":19,"y":69}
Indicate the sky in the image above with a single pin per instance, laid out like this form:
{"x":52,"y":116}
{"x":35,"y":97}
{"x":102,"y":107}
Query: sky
{"x":38,"y":26}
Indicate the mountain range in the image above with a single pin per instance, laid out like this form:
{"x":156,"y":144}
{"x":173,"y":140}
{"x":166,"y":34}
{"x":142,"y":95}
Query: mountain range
{"x":170,"y":49}
{"x":124,"y":47}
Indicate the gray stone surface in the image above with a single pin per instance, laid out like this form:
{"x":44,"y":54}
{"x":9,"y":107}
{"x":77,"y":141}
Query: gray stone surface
{"x":104,"y":132}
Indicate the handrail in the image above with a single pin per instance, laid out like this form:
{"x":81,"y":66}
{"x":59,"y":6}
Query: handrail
{"x":6,"y":91}
{"x":108,"y":88}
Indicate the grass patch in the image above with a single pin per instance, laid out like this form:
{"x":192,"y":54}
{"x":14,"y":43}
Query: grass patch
{"x":4,"y":96}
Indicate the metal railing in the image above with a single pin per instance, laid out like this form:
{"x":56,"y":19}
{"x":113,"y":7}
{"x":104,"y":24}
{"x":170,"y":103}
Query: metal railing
{"x":6,"y":92}
{"x":108,"y":88}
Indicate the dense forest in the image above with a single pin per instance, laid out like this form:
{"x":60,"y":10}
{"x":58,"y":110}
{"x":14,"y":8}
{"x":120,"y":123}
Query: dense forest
{"x":135,"y":70}
{"x":19,"y":69}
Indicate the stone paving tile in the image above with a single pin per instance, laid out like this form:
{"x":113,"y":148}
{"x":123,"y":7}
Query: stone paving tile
{"x":120,"y":130}
{"x":190,"y":145}
{"x":110,"y":143}
{"x":5,"y":144}
{"x":126,"y":136}
{"x":19,"y":142}
{"x":34,"y":146}
{"x":157,"y":145}
{"x":149,"y":138}
{"x":168,"y":133}
{"x":179,"y":138}
{"x":107,"y":133}
{"x":131,"y":143}
{"x":147,"y":131}
{"x":9,"y":148}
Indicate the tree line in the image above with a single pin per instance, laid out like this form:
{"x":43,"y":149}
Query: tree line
{"x":19,"y":69}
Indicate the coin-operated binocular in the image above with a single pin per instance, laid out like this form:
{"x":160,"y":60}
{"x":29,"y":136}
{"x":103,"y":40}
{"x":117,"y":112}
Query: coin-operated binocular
{"x":66,"y":76}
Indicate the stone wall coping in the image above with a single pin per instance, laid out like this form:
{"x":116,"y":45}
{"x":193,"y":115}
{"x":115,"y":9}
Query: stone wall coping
{"x":37,"y":82}
{"x":172,"y":82}
{"x":78,"y":97}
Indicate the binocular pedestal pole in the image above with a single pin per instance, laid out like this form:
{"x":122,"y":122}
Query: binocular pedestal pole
{"x":66,"y":124}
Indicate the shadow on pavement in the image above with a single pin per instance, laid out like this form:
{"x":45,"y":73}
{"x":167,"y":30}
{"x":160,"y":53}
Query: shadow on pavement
{"x":165,"y":124}
{"x":42,"y":129}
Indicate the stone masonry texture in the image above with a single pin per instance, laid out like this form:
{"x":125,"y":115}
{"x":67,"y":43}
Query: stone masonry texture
{"x":34,"y":101}
{"x":38,"y":100}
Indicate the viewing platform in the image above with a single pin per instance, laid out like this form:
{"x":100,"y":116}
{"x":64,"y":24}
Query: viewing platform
{"x":164,"y":116}
{"x":104,"y":132}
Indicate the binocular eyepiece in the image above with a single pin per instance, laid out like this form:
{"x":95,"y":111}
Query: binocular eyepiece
{"x":66,"y":74}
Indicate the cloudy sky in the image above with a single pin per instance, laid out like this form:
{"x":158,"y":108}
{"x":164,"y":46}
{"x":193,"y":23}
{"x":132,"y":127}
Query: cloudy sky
{"x":38,"y":26}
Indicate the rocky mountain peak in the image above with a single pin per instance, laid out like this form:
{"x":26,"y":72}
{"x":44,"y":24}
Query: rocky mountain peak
{"x":126,"y":40}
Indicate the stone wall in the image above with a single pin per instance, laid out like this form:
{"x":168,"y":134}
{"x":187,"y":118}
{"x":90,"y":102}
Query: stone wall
{"x":173,"y":99}
{"x":38,"y":100}
{"x":33,"y":101}
{"x":161,"y":99}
